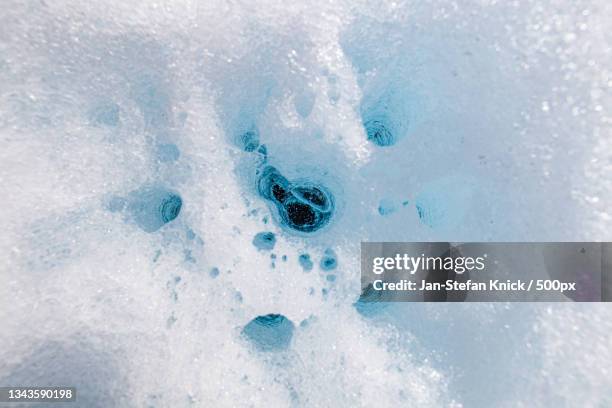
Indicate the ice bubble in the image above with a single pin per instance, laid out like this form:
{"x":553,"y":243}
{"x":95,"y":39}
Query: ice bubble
{"x":264,"y":241}
{"x":214,"y":272}
{"x":152,"y":207}
{"x":272,"y":332}
{"x":329,"y":260}
{"x":305,"y":262}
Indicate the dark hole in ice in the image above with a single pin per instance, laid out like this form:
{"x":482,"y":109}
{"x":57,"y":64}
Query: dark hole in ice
{"x":378,"y":133}
{"x":272,"y":332}
{"x":301,"y":215}
{"x":313,"y":196}
{"x":272,"y":185}
{"x":279,"y":193}
{"x":302,"y":206}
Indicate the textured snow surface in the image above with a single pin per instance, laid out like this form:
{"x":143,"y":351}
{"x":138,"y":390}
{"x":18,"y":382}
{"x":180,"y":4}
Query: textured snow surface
{"x":135,"y":136}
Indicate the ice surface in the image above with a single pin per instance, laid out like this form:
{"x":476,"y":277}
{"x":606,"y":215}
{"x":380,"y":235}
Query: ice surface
{"x":134,"y":139}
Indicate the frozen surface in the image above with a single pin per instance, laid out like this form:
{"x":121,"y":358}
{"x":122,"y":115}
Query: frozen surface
{"x":138,"y":140}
